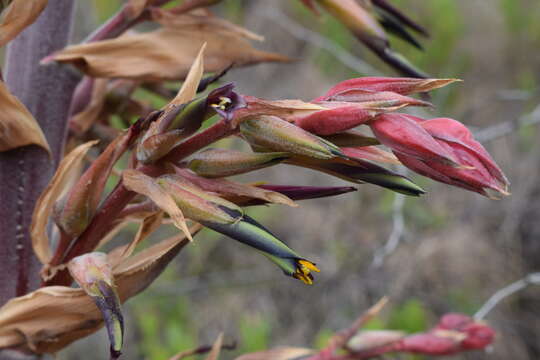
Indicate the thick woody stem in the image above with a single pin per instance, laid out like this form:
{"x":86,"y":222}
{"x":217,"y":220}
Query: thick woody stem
{"x":24,"y":172}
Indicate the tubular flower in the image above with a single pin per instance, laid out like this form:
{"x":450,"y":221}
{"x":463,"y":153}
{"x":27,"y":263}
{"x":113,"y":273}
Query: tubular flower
{"x":228,"y":219}
{"x":94,"y":275}
{"x":417,"y":142}
{"x":273,"y":133}
{"x":184,"y":120}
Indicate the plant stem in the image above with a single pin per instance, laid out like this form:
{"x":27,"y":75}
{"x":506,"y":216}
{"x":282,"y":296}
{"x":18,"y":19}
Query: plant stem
{"x":120,"y":197}
{"x":25,"y":171}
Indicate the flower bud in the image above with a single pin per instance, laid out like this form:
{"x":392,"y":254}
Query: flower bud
{"x":276,"y":134}
{"x":476,"y":171}
{"x":195,"y":203}
{"x":404,"y":135}
{"x":221,"y":162}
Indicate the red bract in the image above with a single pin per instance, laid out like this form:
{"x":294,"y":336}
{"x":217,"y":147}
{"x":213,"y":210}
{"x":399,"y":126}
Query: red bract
{"x":344,"y":117}
{"x":454,"y":333}
{"x":460,"y":138}
{"x":403,"y":86}
{"x":405,"y":136}
{"x":477,"y":172}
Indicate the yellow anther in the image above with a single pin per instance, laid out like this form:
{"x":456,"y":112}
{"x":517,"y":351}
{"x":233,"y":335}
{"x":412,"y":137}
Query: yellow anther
{"x":302,"y":277}
{"x":307,"y":266}
{"x":222,"y":104}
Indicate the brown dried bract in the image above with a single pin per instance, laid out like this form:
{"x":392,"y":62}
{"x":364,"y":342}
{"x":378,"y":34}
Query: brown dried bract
{"x":167,"y":53}
{"x":18,"y":15}
{"x":17,"y":125}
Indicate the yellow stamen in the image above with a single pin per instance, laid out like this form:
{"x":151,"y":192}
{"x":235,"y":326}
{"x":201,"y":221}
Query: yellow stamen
{"x":303,"y":269}
{"x":223,"y":103}
{"x":305,"y":279}
{"x":307,"y":266}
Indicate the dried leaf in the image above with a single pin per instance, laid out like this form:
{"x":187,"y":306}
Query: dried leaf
{"x":145,"y":185}
{"x":280,"y":353}
{"x":230,"y":189}
{"x":19,"y":15}
{"x":189,"y":88}
{"x":17,"y":125}
{"x":170,"y":19}
{"x":164,"y":54}
{"x":77,"y":209}
{"x":281,"y":108}
{"x":216,"y":348}
{"x":52,"y":317}
{"x":148,"y":226}
{"x":44,"y":205}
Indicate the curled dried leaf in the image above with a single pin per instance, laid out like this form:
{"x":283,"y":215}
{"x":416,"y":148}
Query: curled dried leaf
{"x":76,"y":211}
{"x":69,"y":166}
{"x":50,"y":318}
{"x":286,"y":109}
{"x":142,"y":184}
{"x":237,"y":192}
{"x":17,"y":125}
{"x":18,"y":15}
{"x":189,"y":88}
{"x":164,"y":54}
{"x":170,"y":19}
{"x":148,"y":226}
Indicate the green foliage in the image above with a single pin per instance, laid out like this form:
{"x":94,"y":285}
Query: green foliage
{"x":410,"y":317}
{"x":322,"y":337}
{"x":167,"y":326}
{"x":255,"y":333}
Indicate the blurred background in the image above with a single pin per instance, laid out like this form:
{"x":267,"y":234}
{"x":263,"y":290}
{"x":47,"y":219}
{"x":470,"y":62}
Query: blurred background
{"x":447,"y":251}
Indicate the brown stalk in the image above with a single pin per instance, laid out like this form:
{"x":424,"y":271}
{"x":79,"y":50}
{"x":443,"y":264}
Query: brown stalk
{"x":25,"y":171}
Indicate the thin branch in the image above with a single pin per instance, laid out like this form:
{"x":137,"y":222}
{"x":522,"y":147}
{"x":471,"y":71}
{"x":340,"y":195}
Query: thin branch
{"x":507,"y":127}
{"x":340,"y":339}
{"x":398,"y":230}
{"x":501,"y":294}
{"x":311,"y":37}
